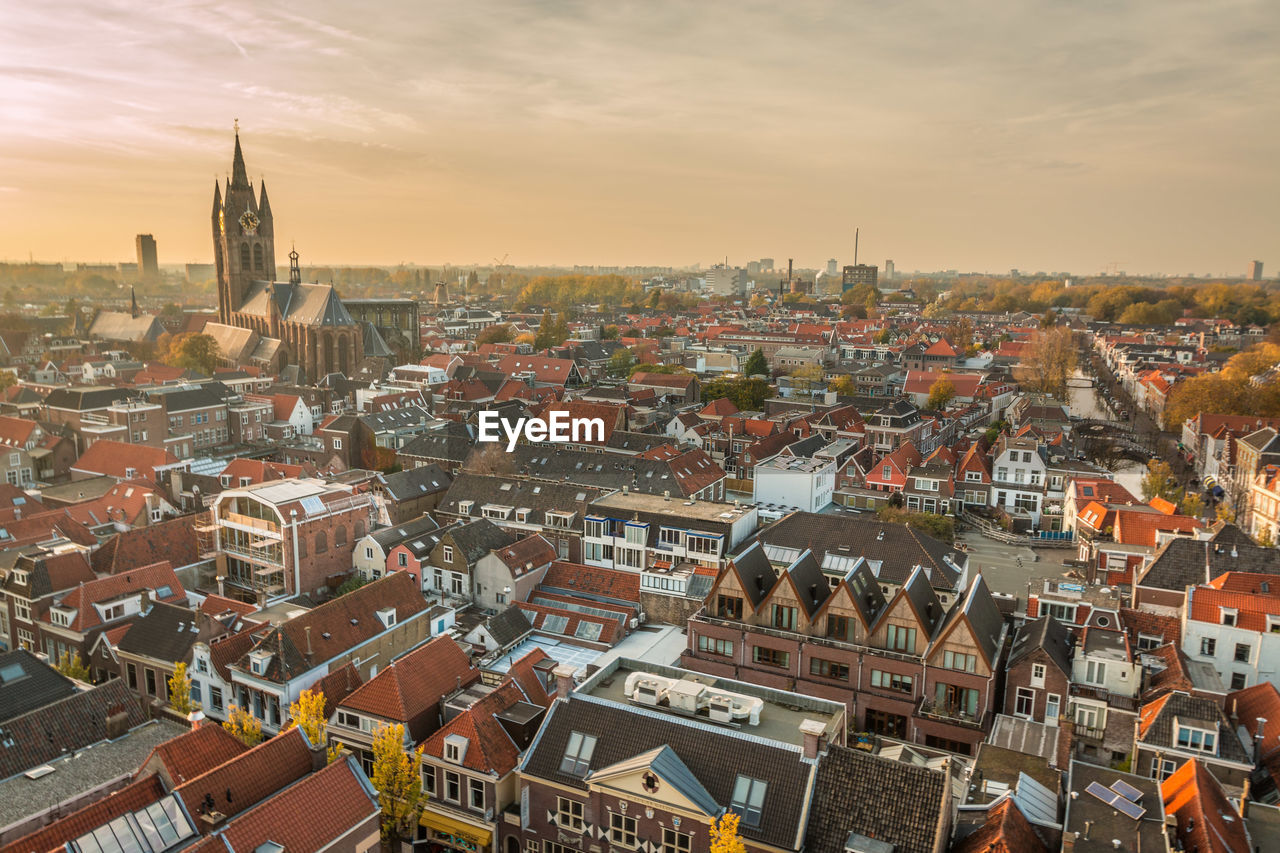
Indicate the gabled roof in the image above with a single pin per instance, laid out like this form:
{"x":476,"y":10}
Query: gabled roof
{"x":27,"y":683}
{"x":173,"y":540}
{"x":663,"y":762}
{"x":755,"y":573}
{"x":116,"y":458}
{"x":193,"y":753}
{"x":250,"y":777}
{"x":1006,"y":830}
{"x":413,"y":685}
{"x":1207,"y":821}
{"x":1044,"y":633}
{"x":65,"y":726}
{"x":490,"y":748}
{"x":1155,"y":724}
{"x":155,"y":578}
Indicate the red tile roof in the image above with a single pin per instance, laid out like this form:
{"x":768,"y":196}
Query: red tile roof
{"x":1207,"y":821}
{"x":489,"y":747}
{"x":592,"y":580}
{"x":116,"y":458}
{"x":250,"y":777}
{"x":83,"y":597}
{"x":1135,"y":527}
{"x":1260,"y":700}
{"x":1006,"y":830}
{"x":414,"y":685}
{"x":193,"y":753}
{"x":56,"y":835}
{"x":1205,"y":604}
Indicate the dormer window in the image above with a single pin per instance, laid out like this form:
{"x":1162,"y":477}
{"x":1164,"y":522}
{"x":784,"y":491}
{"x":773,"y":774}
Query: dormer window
{"x":387,"y":616}
{"x":130,"y":473}
{"x":258,"y":662}
{"x":464,"y":507}
{"x":748,"y":799}
{"x":1200,"y":740}
{"x":1229,"y":616}
{"x":455,"y":749}
{"x":577,"y":754}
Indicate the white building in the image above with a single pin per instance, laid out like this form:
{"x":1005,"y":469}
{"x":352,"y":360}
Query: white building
{"x":806,"y":484}
{"x":1018,"y":477}
{"x":726,"y":281}
{"x":637,"y":533}
{"x":1234,"y":624}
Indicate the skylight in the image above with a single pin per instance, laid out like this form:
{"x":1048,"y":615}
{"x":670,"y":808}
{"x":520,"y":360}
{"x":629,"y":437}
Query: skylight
{"x":577,"y":754}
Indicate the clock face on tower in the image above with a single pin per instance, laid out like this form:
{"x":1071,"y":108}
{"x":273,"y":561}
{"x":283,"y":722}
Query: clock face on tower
{"x":249,"y":222}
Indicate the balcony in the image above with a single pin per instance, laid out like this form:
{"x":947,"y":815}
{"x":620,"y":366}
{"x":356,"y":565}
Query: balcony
{"x":949,"y":714}
{"x":255,"y":525}
{"x":1101,"y":694}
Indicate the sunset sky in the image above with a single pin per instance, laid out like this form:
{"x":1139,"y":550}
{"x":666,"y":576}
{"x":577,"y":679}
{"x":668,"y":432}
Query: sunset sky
{"x":970,"y":134}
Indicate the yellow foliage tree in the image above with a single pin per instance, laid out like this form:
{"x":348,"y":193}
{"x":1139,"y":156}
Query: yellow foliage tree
{"x":70,"y":665}
{"x":308,"y":714}
{"x":397,"y":778}
{"x":180,"y":690}
{"x":724,"y":835}
{"x":243,"y":725}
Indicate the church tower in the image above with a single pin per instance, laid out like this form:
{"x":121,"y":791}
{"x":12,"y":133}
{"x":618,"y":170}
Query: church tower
{"x":243,"y":238}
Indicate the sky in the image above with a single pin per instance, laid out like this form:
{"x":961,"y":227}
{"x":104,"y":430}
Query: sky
{"x":969,"y":134}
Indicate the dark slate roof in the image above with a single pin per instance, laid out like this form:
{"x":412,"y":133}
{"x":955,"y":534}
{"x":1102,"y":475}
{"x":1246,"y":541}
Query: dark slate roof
{"x":475,"y":539}
{"x":686,"y":474}
{"x":925,"y":601}
{"x":539,"y":497}
{"x":84,"y":399}
{"x":806,"y":447}
{"x":1194,"y":710}
{"x":896,"y":547}
{"x":1182,"y":562}
{"x":811,"y":584}
{"x":415,"y":482}
{"x":508,"y":627}
{"x":62,"y":727}
{"x":1044,"y":633}
{"x":27,"y":683}
{"x":890,"y":801}
{"x":636,"y":442}
{"x":390,"y":537}
{"x":185,"y":399}
{"x":164,"y":633}
{"x":405,"y":416}
{"x":434,"y":445}
{"x":984,"y":617}
{"x":714,"y":756}
{"x":867,"y":595}
{"x":757,"y":574}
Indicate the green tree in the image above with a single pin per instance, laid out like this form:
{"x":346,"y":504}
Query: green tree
{"x":180,"y":690}
{"x":1159,"y":482}
{"x":610,"y":333}
{"x":499,"y":333}
{"x":398,"y":781}
{"x":941,"y":392}
{"x":757,"y":364}
{"x":70,"y":665}
{"x":621,"y":362}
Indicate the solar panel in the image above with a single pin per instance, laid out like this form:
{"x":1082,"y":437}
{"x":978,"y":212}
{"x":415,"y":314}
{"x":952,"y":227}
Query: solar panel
{"x":1126,"y":790}
{"x":1116,"y":800}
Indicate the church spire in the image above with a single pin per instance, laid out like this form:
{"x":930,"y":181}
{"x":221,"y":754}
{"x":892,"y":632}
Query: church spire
{"x":133,"y":302}
{"x":264,"y":206}
{"x":217,"y":197}
{"x":239,"y":175}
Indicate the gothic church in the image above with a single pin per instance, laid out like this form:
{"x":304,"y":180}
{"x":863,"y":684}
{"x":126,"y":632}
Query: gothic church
{"x":268,"y":323}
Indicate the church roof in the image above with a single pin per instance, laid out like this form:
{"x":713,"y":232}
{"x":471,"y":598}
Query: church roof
{"x":308,"y":304}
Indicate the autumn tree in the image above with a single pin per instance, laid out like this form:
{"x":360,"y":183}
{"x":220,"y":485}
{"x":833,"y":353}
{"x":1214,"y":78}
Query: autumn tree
{"x":1192,"y":504}
{"x":621,"y":361}
{"x":610,"y":333}
{"x":490,"y":459}
{"x":498,"y":333}
{"x":1159,"y":482}
{"x":308,"y":714}
{"x":398,"y":781}
{"x":244,"y":726}
{"x":807,"y":377}
{"x":193,"y":351}
{"x":1048,"y":362}
{"x":724,"y":835}
{"x":72,"y":666}
{"x":180,"y":690}
{"x":844,"y":386}
{"x":941,"y":392}
{"x":757,"y":364}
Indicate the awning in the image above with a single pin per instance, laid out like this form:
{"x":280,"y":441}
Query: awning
{"x":459,"y":832}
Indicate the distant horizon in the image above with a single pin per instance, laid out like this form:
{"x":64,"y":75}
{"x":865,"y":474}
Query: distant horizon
{"x":1088,"y":137}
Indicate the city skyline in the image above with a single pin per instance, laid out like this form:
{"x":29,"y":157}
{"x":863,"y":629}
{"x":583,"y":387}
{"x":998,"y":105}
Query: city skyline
{"x":975,"y":138}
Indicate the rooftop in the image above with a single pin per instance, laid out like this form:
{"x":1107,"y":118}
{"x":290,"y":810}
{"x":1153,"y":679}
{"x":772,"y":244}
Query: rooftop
{"x":780,"y":713}
{"x":702,"y":510}
{"x":796,"y":463}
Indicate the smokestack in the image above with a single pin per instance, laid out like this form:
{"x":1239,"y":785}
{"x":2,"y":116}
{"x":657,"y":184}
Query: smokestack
{"x":855,"y":246}
{"x":789,"y":261}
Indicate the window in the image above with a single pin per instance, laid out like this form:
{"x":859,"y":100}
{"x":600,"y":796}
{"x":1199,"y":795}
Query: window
{"x":676,"y":842}
{"x":891,"y":681}
{"x":1162,"y":769}
{"x":770,"y":657}
{"x":577,"y":754}
{"x":402,"y":559}
{"x":886,"y":472}
{"x":322,"y":542}
{"x":1243,"y":651}
{"x":475,"y":789}
{"x":452,"y":787}
{"x":748,"y":799}
{"x":446,"y":553}
{"x":1024,"y":703}
{"x":1037,"y":673}
{"x":1208,"y":647}
{"x":828,"y":669}
{"x":569,"y":814}
{"x":337,"y":444}
{"x":151,"y":681}
{"x":784,"y":617}
{"x":21,"y":609}
{"x":215,"y":698}
{"x":901,"y":639}
{"x":957,"y":660}
{"x":1147,"y":642}
{"x":622,"y":830}
{"x":1197,"y":739}
{"x":1095,"y":672}
{"x":429,"y":781}
{"x":368,"y":553}
{"x":1239,"y":681}
{"x":728,"y":607}
{"x":1228,"y":616}
{"x":715,"y":646}
{"x":132,"y":672}
{"x":839,"y":627}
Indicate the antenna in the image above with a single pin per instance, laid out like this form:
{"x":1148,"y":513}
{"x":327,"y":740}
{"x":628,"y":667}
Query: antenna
{"x":855,"y":246}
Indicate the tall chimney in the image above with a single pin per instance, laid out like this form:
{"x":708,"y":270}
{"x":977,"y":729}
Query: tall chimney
{"x":813,"y":732}
{"x":307,"y":628}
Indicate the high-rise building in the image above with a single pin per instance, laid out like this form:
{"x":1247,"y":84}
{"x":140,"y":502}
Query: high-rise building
{"x":888,"y":270}
{"x":766,"y":265}
{"x":726,"y":281}
{"x":1256,"y":273}
{"x":148,"y":268}
{"x":832,"y":267}
{"x":856,"y":274}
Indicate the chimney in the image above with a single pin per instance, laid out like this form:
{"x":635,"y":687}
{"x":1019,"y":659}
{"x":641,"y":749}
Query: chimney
{"x":117,"y":723}
{"x":144,"y":601}
{"x":1066,"y":733}
{"x":1258,"y":736}
{"x":1244,"y":800}
{"x":308,"y":630}
{"x":564,"y":680}
{"x":1088,"y":827}
{"x":196,"y":718}
{"x":814,"y":734}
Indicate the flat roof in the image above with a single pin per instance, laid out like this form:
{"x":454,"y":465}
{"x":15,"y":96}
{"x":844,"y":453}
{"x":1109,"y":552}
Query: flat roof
{"x":780,"y":716}
{"x":701,"y":510}
{"x":797,"y":463}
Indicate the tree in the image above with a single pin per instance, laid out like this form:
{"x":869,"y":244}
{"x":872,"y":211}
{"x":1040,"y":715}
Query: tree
{"x":844,"y":386}
{"x":352,"y":583}
{"x":1159,"y":482}
{"x":941,"y":392}
{"x":757,"y":364}
{"x":621,"y":361}
{"x":194,"y":351}
{"x":180,"y":690}
{"x":70,"y":665}
{"x":308,"y":714}
{"x":747,"y":394}
{"x":244,"y":726}
{"x":7,"y":378}
{"x":940,"y":527}
{"x":610,"y":333}
{"x":724,"y":835}
{"x":807,"y":378}
{"x":499,"y":333}
{"x":1048,"y":362}
{"x":398,"y":781}
{"x":1192,"y":504}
